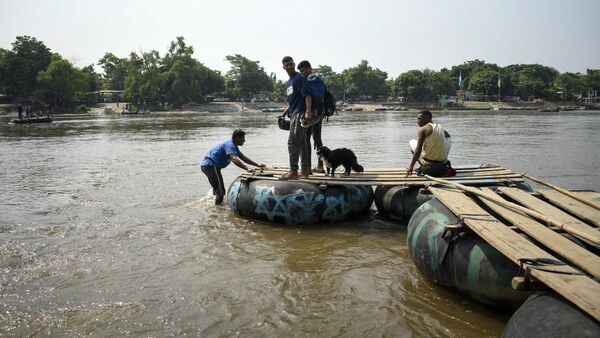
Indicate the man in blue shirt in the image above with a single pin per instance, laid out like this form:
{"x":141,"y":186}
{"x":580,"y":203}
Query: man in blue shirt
{"x":299,"y":106}
{"x":220,"y":156}
{"x":317,"y":90}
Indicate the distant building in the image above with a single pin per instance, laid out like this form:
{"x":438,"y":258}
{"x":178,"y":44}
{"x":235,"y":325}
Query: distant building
{"x":109,"y":95}
{"x":467,"y":95}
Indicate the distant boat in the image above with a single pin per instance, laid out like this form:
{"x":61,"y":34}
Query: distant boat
{"x":46,"y":119}
{"x":272,"y":110}
{"x":568,"y":108}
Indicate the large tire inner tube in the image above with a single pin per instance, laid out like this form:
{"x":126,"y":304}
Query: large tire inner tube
{"x":460,"y":258}
{"x":294,"y":202}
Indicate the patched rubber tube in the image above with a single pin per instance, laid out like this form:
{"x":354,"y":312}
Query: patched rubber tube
{"x":461,"y":259}
{"x":295,"y":202}
{"x":547,"y":314}
{"x":399,"y":202}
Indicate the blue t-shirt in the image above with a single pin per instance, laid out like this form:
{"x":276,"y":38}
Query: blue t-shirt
{"x":297,"y":90}
{"x":218,"y":156}
{"x":316,"y":87}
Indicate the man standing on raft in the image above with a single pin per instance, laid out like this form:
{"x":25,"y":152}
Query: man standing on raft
{"x":299,"y":108}
{"x":317,"y":89}
{"x":220,"y":156}
{"x":433,"y":142}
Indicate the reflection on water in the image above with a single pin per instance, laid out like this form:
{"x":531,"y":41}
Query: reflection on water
{"x":107,"y":228}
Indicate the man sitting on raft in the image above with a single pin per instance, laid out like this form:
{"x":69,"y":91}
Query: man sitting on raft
{"x":433,"y":143}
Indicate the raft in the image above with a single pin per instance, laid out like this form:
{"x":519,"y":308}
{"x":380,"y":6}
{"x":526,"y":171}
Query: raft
{"x":33,"y":120}
{"x":547,"y":314}
{"x":460,"y":259}
{"x":526,"y":230}
{"x":296,"y":202}
{"x":400,"y":202}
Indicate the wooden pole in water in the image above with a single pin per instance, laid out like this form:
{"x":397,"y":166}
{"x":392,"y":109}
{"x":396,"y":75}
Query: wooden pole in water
{"x":564,"y":191}
{"x":575,"y":232}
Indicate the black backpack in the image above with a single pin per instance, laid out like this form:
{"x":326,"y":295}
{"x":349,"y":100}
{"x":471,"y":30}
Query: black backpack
{"x":329,"y":104}
{"x":326,"y":107}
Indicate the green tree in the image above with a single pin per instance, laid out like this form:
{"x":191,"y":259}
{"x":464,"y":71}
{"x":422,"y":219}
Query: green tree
{"x":364,"y":80}
{"x":3,"y":70}
{"x":278,"y":92}
{"x":468,"y":69}
{"x":439,"y":83}
{"x":186,"y":79}
{"x":246,"y":77}
{"x":144,"y":79}
{"x":209,"y":80}
{"x":22,"y":65}
{"x":180,"y":84}
{"x":334,"y":81}
{"x":484,"y":82}
{"x":92,"y":81}
{"x":569,"y":84}
{"x":59,"y":83}
{"x":115,"y":71}
{"x":324,"y":71}
{"x":592,"y":80}
{"x":412,"y":85}
{"x":179,"y":51}
{"x":529,"y":80}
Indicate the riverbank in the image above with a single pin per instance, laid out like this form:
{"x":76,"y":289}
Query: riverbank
{"x":471,"y":105}
{"x":231,"y":107}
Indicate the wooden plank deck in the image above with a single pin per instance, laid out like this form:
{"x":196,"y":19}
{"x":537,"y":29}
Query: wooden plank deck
{"x":572,"y":205}
{"x":590,"y":196}
{"x":528,"y":200}
{"x":459,"y":169}
{"x":361,"y":177}
{"x":568,"y":281}
{"x":392,"y":175}
{"x":468,"y":175}
{"x":562,"y":246}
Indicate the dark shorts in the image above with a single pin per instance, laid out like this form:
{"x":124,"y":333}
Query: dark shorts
{"x":215,"y":178}
{"x":434,"y":169}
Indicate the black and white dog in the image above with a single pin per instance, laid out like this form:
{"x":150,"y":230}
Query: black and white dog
{"x":334,"y":158}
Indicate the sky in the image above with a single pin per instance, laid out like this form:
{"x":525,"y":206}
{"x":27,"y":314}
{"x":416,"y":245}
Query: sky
{"x":394,"y":36}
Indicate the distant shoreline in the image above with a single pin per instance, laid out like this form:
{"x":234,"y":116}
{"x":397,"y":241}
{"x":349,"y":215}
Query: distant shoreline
{"x":230,"y":107}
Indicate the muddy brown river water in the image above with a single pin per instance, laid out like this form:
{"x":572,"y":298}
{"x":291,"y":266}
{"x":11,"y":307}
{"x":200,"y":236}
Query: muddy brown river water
{"x":107,"y":228}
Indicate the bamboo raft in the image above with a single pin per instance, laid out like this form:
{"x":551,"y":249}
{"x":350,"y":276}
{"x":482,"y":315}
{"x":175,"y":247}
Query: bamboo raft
{"x":572,"y":270}
{"x":486,"y":174}
{"x":500,"y":218}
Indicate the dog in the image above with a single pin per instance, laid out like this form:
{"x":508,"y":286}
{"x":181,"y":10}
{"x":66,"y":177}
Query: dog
{"x":334,"y":158}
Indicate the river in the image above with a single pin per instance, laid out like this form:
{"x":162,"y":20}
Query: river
{"x":107,"y":228}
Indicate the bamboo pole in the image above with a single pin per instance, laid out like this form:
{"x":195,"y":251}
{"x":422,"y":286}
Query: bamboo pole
{"x":575,"y":232}
{"x":564,"y":191}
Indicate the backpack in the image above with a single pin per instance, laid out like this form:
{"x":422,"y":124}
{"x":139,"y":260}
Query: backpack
{"x":329,"y":104}
{"x":325,"y":106}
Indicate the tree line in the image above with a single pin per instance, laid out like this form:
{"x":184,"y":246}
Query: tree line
{"x":31,"y":72}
